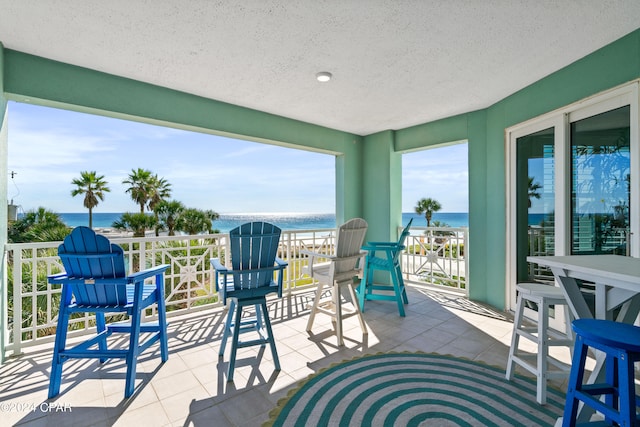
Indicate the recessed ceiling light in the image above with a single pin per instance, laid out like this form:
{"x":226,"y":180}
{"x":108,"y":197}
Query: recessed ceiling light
{"x":323,"y":76}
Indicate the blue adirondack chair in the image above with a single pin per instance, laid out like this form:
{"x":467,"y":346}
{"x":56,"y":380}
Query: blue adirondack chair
{"x":389,"y":260}
{"x":95,"y":281}
{"x":254,"y":248}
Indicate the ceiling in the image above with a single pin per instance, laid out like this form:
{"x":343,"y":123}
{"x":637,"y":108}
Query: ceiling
{"x":395,"y":63}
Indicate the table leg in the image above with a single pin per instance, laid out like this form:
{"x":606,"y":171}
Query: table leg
{"x":575,"y":299}
{"x":601,"y":303}
{"x":629,"y":310}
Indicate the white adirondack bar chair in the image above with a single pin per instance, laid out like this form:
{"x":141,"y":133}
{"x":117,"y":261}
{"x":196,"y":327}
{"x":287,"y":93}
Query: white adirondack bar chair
{"x":336,"y":272}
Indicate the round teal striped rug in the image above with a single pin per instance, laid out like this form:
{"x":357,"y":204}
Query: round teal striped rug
{"x":415,"y":389}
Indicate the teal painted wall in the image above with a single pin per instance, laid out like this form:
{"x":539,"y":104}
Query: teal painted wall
{"x":611,"y":66}
{"x":382,"y":186}
{"x":478,"y":157}
{"x":606,"y":68}
{"x":368,"y":169}
{"x":349,"y":181}
{"x":451,"y":129}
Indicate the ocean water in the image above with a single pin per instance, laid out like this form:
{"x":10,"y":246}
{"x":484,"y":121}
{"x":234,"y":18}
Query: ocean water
{"x":286,"y":221}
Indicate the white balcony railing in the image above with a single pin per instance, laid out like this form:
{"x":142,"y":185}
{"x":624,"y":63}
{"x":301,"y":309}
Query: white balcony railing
{"x":435,"y":258}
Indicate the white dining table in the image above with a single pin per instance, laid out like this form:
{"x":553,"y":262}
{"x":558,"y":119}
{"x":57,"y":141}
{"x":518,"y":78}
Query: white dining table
{"x":616,"y":283}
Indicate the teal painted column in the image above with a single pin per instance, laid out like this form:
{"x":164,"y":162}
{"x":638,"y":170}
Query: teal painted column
{"x":478,"y":251}
{"x":382,"y":186}
{"x":4,"y":148}
{"x":349,"y":181}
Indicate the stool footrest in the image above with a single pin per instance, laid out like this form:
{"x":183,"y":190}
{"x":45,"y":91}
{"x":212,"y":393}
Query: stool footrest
{"x":529,"y":362}
{"x":554,"y":338}
{"x":599,"y":406}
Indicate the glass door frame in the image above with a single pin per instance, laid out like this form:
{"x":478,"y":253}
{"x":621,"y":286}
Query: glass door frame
{"x":561,"y":217}
{"x":560,"y":120}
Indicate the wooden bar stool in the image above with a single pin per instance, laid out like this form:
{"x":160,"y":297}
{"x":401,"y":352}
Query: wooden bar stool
{"x":620,"y":342}
{"x":544,"y":296}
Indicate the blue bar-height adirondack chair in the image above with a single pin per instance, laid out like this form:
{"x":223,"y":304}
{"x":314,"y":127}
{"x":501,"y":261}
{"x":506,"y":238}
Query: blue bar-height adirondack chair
{"x":389,"y":260}
{"x":95,"y":281}
{"x":254,"y":248}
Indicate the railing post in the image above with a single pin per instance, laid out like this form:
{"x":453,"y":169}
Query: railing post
{"x":143,"y":253}
{"x":289,"y":275}
{"x":4,"y":313}
{"x":17,"y":302}
{"x":465,"y":243}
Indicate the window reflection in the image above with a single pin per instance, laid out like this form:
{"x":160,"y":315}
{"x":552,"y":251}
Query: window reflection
{"x":600,"y":181}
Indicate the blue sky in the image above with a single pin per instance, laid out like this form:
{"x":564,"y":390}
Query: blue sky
{"x":49,"y":147}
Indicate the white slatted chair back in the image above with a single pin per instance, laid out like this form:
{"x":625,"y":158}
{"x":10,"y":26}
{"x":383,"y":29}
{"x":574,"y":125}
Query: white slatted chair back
{"x":349,"y":240}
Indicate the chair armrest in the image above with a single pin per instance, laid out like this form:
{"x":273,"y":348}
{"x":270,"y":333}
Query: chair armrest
{"x":89,"y":281}
{"x":380,"y":246}
{"x":219,"y":268}
{"x":345,"y":258}
{"x":281,"y":265}
{"x":217,"y":265}
{"x":57,"y":279}
{"x":227,"y":275}
{"x":312,"y":254}
{"x":382,"y":243}
{"x":145,"y":274}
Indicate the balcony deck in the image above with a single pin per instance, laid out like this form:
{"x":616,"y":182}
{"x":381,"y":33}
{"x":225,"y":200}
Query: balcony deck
{"x":191,"y":387}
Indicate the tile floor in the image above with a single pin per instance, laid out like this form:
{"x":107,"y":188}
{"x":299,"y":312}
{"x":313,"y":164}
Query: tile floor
{"x":190,"y":389}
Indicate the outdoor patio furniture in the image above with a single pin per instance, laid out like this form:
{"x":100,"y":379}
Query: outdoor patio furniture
{"x":616,"y":280}
{"x":254,"y":248}
{"x":95,"y":281}
{"x":620,"y":342}
{"x":337,"y":272}
{"x":543,"y":297}
{"x":388,"y":261}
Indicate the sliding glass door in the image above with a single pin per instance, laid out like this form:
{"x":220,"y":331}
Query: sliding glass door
{"x":573,"y":184}
{"x":535,"y":202}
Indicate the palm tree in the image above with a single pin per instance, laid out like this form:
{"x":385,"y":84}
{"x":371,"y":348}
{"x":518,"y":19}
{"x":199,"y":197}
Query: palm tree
{"x":168,"y":212}
{"x":140,"y":182}
{"x":428,"y":207}
{"x":39,"y":225}
{"x":159,"y":190}
{"x":93,"y":187}
{"x":533,"y":190}
{"x":194,"y":221}
{"x":212,"y":216}
{"x":136,"y":222}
